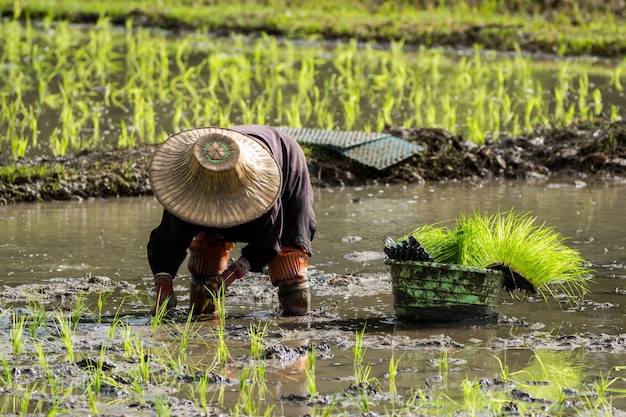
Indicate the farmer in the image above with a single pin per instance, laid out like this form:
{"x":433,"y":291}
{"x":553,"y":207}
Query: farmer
{"x":220,"y":186}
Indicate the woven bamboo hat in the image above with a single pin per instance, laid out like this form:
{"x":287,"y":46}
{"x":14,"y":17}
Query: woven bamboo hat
{"x":215,"y":177}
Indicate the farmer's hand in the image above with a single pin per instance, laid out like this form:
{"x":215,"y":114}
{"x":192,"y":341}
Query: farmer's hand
{"x":164,"y":297}
{"x":236,"y":270}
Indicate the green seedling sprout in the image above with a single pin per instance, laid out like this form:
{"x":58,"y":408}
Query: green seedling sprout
{"x":250,"y":399}
{"x":25,"y":402}
{"x":102,"y":299}
{"x":200,"y":391}
{"x":393,"y":373}
{"x":472,"y":398}
{"x":162,"y":315}
{"x":38,"y":316}
{"x":93,"y":405}
{"x":127,"y":340}
{"x":65,"y":329}
{"x":79,"y":309}
{"x":257,"y":334}
{"x":443,"y":362}
{"x":16,"y":333}
{"x":505,"y":374}
{"x":222,"y":353}
{"x":186,"y":334}
{"x":362,"y":370}
{"x":162,"y":407}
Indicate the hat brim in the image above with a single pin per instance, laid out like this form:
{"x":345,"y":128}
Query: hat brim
{"x":237,"y":195}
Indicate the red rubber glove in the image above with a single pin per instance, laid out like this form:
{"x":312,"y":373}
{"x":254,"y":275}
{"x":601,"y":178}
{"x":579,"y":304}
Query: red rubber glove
{"x":164,"y":293}
{"x":236,"y":270}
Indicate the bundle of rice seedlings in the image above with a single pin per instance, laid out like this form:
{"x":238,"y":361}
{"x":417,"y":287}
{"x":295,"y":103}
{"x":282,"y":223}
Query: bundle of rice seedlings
{"x":533,"y":257}
{"x":439,"y":242}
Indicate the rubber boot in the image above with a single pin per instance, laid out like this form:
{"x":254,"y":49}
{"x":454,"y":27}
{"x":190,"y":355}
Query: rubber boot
{"x":208,"y":257}
{"x":288,"y":272}
{"x":294,"y":299}
{"x":164,"y":293}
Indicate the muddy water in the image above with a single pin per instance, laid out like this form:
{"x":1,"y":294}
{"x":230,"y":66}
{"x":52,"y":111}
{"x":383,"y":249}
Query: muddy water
{"x":43,"y":242}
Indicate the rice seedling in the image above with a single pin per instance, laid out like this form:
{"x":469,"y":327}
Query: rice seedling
{"x":222,"y":353}
{"x":92,"y":401}
{"x":141,"y":374}
{"x":65,"y":329}
{"x":161,"y":316}
{"x":186,"y":334}
{"x":25,"y":402}
{"x":16,"y":333}
{"x":362,"y":370}
{"x":472,"y":396}
{"x":505,"y":375}
{"x":44,"y":364}
{"x":251,"y":394}
{"x":162,"y":406}
{"x":533,"y":257}
{"x":393,"y":372}
{"x":257,"y":334}
{"x":200,"y":391}
{"x":443,"y":362}
{"x":79,"y":309}
{"x":38,"y":317}
{"x":103,"y":296}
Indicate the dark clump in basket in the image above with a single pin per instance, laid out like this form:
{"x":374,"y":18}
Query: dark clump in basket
{"x":513,"y":280}
{"x":408,"y":249}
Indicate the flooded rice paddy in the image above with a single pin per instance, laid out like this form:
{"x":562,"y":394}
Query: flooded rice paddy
{"x":73,"y":87}
{"x":96,"y":350}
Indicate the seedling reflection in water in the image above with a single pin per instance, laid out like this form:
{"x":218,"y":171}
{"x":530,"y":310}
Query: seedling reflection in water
{"x":311,"y":383}
{"x":7,"y":376}
{"x":361,"y":369}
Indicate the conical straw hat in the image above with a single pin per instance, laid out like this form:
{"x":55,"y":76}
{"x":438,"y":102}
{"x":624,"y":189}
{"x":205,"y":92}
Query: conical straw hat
{"x":215,"y":177}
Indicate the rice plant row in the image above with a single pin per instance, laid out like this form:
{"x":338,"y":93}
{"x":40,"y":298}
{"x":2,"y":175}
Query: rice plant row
{"x":66,"y":88}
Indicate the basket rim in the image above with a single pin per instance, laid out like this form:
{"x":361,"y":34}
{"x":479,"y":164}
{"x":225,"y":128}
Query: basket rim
{"x":439,"y":265}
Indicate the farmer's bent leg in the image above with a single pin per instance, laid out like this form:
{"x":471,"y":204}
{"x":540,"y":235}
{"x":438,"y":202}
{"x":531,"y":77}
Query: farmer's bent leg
{"x":208,"y":257}
{"x":288,"y":272}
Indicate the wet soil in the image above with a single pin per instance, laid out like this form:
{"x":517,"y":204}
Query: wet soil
{"x":284,"y":350}
{"x":582,"y":151}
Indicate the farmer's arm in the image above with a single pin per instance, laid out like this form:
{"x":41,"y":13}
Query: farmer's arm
{"x":167,"y":247}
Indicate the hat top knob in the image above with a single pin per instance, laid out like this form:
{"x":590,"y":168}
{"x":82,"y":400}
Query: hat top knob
{"x":216,"y":152}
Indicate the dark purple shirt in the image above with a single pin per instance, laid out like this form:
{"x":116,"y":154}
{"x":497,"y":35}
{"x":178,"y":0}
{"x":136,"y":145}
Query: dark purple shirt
{"x":291,"y":221}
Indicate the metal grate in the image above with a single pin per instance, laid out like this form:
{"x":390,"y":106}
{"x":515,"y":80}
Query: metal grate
{"x":383,"y":153}
{"x":334,"y":138}
{"x":378,"y":150}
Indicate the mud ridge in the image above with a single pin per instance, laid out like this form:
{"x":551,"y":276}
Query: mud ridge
{"x":586,"y":150}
